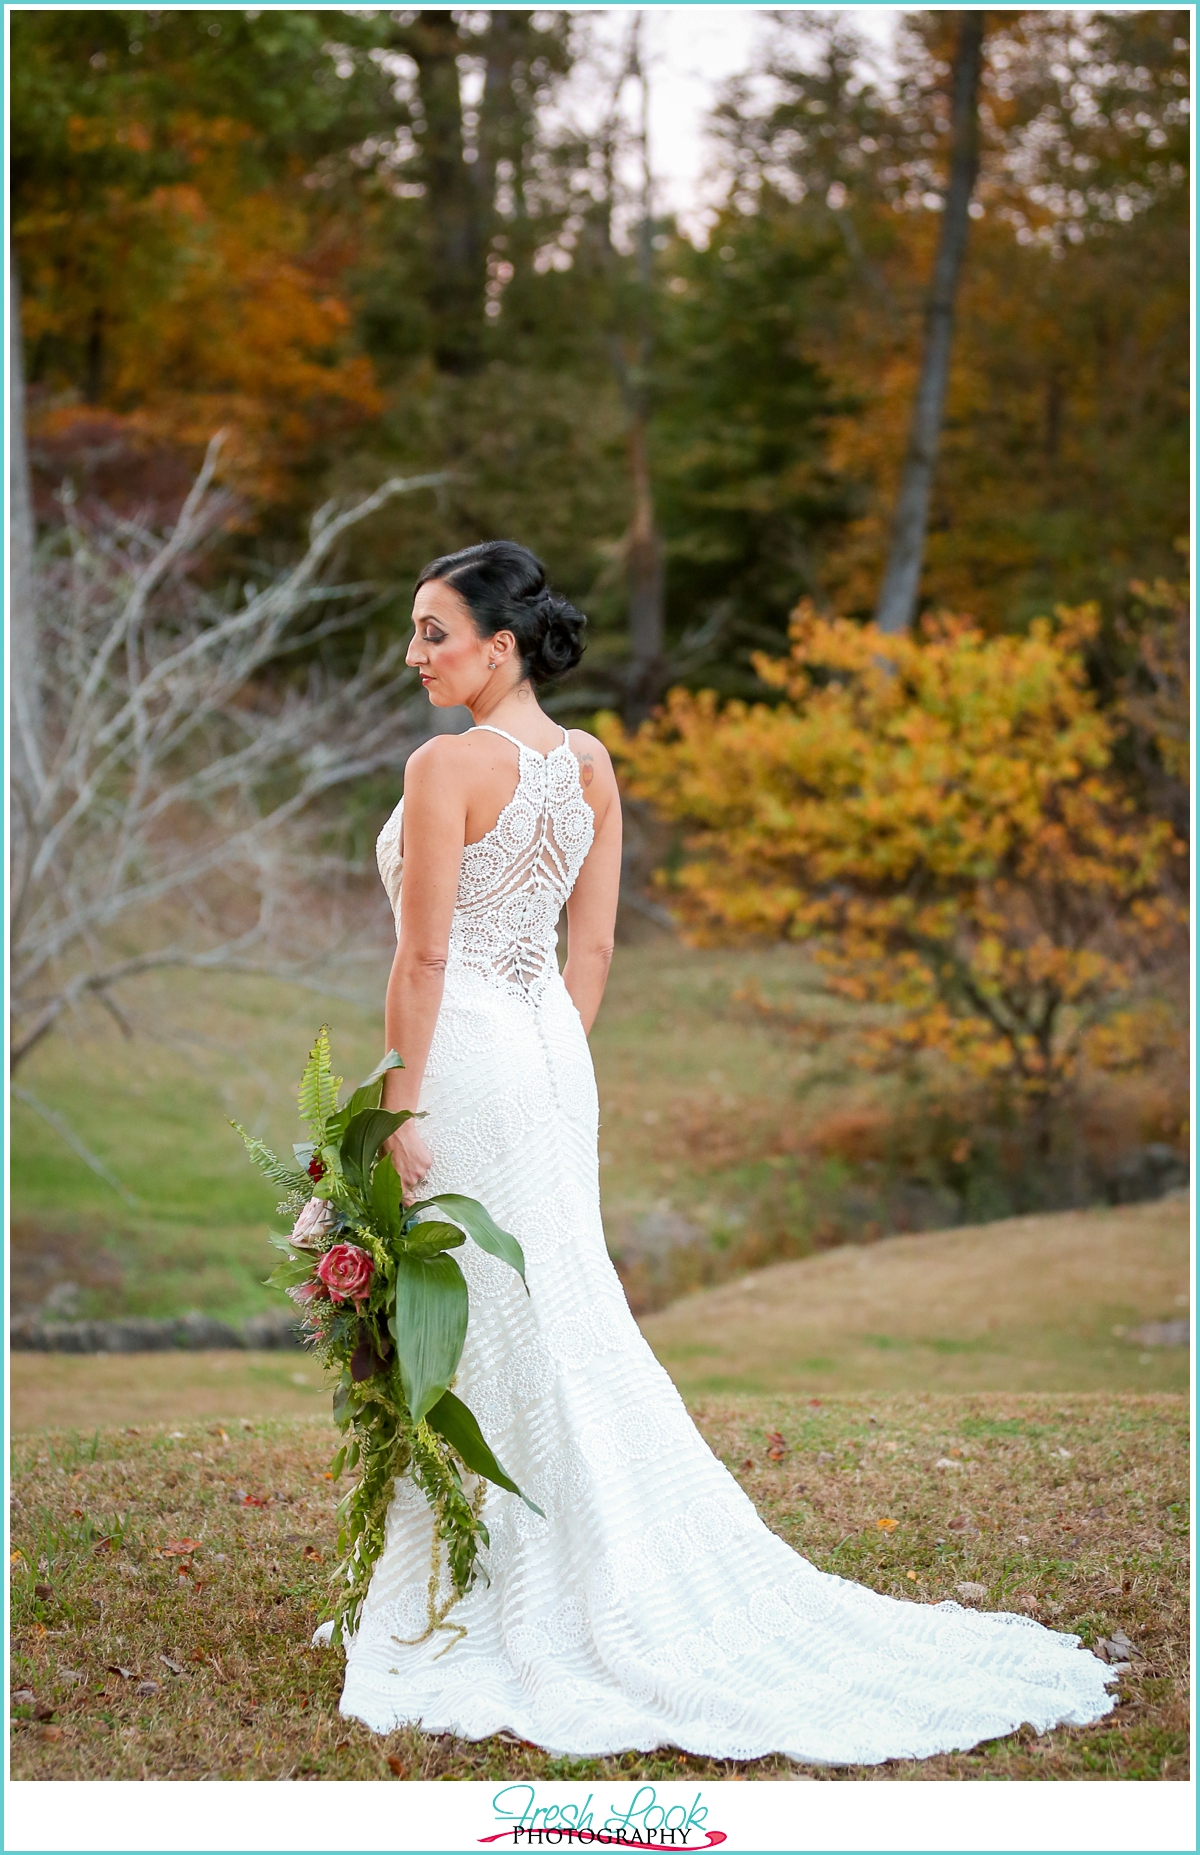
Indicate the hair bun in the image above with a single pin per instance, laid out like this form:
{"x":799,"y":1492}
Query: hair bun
{"x":559,"y":645}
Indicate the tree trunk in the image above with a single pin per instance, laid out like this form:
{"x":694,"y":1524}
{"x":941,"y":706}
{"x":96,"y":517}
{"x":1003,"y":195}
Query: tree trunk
{"x":898,"y":597}
{"x":25,"y":693}
{"x":457,"y":240}
{"x":643,"y":546}
{"x":644,"y":574}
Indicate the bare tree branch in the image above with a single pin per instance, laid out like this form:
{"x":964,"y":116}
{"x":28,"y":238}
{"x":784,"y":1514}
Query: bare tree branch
{"x":183,"y":758}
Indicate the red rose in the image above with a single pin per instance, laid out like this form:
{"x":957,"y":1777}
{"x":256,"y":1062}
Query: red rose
{"x":346,"y":1272}
{"x":316,"y":1169}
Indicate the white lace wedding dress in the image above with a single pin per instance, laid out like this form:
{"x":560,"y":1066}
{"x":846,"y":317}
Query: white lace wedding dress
{"x":651,"y":1607}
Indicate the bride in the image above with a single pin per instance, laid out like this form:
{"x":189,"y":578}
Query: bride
{"x":650,"y":1607}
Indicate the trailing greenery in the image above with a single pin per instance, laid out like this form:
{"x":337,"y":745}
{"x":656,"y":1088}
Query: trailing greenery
{"x":384,"y":1301}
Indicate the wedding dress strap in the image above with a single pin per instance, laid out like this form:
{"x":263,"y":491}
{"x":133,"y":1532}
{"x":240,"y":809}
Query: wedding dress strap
{"x":487,"y":727}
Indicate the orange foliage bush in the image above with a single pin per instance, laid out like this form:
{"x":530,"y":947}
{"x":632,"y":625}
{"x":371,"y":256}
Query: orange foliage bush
{"x":937,"y":815}
{"x":221,"y":312}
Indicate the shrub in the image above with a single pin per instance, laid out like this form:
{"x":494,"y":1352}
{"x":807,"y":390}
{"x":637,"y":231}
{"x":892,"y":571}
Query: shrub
{"x":939,"y":817}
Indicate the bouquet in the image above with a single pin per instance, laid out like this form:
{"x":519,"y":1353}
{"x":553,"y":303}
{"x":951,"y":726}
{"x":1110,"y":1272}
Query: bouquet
{"x":385,"y":1303}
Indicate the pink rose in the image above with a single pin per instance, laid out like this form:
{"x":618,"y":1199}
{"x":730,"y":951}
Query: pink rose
{"x":304,"y":1292}
{"x":313,"y":1223}
{"x":346,"y":1272}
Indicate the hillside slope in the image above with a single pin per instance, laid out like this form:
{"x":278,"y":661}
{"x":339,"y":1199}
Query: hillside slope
{"x":1029,"y":1304}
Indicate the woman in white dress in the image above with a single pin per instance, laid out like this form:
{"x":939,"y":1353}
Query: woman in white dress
{"x":650,"y":1607}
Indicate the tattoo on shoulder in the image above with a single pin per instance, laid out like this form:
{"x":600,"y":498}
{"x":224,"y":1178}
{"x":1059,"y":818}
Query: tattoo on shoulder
{"x":587,"y":769}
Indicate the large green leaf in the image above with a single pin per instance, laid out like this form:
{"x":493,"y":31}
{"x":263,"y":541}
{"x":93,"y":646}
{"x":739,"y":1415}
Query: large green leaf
{"x":290,"y":1273}
{"x":387,"y":1199}
{"x":363,"y":1139}
{"x":451,"y":1419}
{"x":471,"y":1216}
{"x":429,"y":1325}
{"x":369,"y":1093}
{"x":430,"y":1235}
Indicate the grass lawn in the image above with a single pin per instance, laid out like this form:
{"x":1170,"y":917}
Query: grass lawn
{"x":146,"y":1662}
{"x":700,"y":1107}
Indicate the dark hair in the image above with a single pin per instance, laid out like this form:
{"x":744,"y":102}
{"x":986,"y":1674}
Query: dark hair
{"x":504,"y":587}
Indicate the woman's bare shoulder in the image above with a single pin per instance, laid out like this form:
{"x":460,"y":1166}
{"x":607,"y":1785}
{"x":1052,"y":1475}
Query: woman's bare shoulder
{"x":443,"y":753}
{"x":596,"y":774}
{"x":443,"y":760}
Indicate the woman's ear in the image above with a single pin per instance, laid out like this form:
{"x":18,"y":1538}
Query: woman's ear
{"x":502,"y":646}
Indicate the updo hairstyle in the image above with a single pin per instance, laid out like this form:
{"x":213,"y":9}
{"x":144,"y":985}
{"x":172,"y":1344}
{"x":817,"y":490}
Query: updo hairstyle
{"x":504,"y":588}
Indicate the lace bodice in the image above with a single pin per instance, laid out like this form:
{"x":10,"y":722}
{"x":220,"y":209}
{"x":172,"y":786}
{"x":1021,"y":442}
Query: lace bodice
{"x":514,"y":881}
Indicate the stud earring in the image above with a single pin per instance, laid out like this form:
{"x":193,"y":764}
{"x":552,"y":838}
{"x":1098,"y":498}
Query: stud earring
{"x":491,"y":666}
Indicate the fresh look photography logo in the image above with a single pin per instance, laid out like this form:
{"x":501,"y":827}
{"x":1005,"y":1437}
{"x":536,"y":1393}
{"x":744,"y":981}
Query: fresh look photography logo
{"x":644,"y":1823}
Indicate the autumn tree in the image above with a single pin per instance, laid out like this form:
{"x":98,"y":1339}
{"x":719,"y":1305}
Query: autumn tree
{"x":938,"y":817}
{"x":178,"y":274}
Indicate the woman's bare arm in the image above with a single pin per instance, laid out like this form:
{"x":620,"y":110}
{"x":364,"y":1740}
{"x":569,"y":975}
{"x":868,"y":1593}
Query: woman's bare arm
{"x":435,"y":809}
{"x":592,"y":906}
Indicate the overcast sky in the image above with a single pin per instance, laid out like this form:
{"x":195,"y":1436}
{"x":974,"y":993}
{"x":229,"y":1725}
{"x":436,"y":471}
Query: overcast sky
{"x":693,"y":49}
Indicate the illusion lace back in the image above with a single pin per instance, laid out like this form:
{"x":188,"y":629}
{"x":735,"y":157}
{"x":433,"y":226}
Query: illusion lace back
{"x":651,"y":1607}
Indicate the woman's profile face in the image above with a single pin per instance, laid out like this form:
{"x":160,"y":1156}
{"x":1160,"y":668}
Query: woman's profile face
{"x":447,"y":652}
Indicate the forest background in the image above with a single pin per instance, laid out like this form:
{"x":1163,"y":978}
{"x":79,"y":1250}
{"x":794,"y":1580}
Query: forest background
{"x":365,"y":246}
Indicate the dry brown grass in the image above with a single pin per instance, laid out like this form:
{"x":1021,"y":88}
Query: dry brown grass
{"x":1026,"y":1304}
{"x":49,"y":1391}
{"x":1072,"y":1506}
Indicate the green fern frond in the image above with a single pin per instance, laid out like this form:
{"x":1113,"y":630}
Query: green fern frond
{"x":318,"y":1087}
{"x":275,"y":1169}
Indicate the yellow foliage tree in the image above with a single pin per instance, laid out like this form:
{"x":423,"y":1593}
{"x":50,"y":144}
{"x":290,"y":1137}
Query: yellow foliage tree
{"x":937,"y":817}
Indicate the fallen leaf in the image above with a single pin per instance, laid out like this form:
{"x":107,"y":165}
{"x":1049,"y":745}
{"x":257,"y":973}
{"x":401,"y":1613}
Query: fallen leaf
{"x":1064,"y":1453}
{"x":43,"y":1710}
{"x":825,"y":1456}
{"x":43,"y":1591}
{"x":748,"y":1463}
{"x":397,"y":1767}
{"x":108,"y":1544}
{"x":22,"y":1697}
{"x":910,"y":1575}
{"x":146,"y":1688}
{"x":176,"y":1668}
{"x":71,"y":1674}
{"x":258,"y":1500}
{"x":312,"y":1552}
{"x":180,"y":1548}
{"x":130,"y":1431}
{"x":971,"y":1592}
{"x":886,"y":1524}
{"x":1023,"y":1539}
{"x":113,"y":1668}
{"x":52,"y":1732}
{"x":944,"y":1462}
{"x":16,"y":1556}
{"x":218,"y":1431}
{"x":816,"y":1403}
